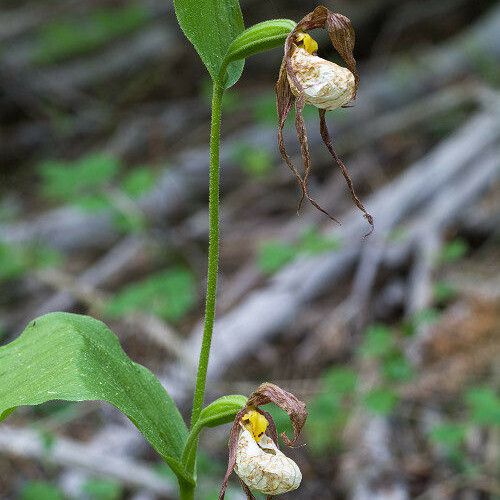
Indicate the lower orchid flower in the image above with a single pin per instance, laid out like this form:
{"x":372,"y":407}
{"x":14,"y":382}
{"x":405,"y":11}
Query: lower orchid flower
{"x":254,"y":453}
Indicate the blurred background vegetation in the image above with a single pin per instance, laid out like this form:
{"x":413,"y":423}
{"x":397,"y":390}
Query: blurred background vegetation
{"x":393,"y":340}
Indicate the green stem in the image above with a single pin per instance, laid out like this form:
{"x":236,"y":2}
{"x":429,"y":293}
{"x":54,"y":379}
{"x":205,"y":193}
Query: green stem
{"x":213,"y":252}
{"x":186,"y":491}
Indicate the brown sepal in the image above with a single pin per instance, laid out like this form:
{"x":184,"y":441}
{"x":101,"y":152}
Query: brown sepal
{"x":296,"y":409}
{"x":339,"y":30}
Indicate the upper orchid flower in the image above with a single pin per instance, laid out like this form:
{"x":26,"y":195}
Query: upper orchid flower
{"x":305,"y":78}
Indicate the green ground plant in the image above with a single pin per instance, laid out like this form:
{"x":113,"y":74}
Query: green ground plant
{"x":170,"y":295}
{"x":339,"y":395}
{"x":100,"y":489}
{"x":40,"y":490}
{"x":255,"y":162}
{"x":60,"y":40}
{"x":274,"y":254}
{"x":96,"y":183}
{"x":481,"y":410}
{"x":16,"y":260}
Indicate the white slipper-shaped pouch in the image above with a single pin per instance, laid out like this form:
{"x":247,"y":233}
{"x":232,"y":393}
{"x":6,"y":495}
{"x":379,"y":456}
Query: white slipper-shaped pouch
{"x":264,"y":468}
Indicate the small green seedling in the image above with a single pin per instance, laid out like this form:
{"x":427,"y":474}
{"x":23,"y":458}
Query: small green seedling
{"x":94,"y":184}
{"x":275,"y":254}
{"x":453,"y":251}
{"x":101,"y":489}
{"x":169,"y":295}
{"x":40,"y":490}
{"x":255,"y":162}
{"x":58,"y":40}
{"x":16,"y":260}
{"x":329,"y":410}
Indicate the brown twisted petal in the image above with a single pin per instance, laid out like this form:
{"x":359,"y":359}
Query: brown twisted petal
{"x":296,"y":409}
{"x":233,"y":442}
{"x":284,"y":102}
{"x":325,"y":135}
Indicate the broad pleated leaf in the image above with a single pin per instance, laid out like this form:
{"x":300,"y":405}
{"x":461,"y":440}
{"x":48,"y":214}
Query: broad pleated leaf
{"x":63,"y":356}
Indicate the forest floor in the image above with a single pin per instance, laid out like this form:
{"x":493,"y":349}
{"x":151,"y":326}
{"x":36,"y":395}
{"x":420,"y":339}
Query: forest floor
{"x":392,"y":339}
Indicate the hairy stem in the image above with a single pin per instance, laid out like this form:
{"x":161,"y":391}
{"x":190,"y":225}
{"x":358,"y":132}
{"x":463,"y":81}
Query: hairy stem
{"x":213,"y":252}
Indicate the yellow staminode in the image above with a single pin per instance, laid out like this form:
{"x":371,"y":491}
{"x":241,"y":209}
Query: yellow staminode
{"x":255,"y":423}
{"x":308,"y":41}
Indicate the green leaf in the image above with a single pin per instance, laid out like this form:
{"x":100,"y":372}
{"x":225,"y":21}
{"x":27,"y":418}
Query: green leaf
{"x":444,"y":292}
{"x":102,"y":489}
{"x":60,"y":40}
{"x":94,"y":203}
{"x":6,"y":413}
{"x":138,"y":182}
{"x":259,"y":38}
{"x":211,"y":26}
{"x":256,"y":162}
{"x":169,"y":294}
{"x":378,"y":341}
{"x":12,"y":263}
{"x":484,"y":405}
{"x":449,"y":435}
{"x":264,"y":108}
{"x":40,"y":490}
{"x":77,"y":358}
{"x":16,"y":260}
{"x":454,"y":250}
{"x":327,"y":418}
{"x":397,"y":368}
{"x":273,"y":255}
{"x":281,"y":419}
{"x":381,"y":401}
{"x":312,"y":242}
{"x":340,"y":380}
{"x":67,"y":181}
{"x":424,"y":317}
